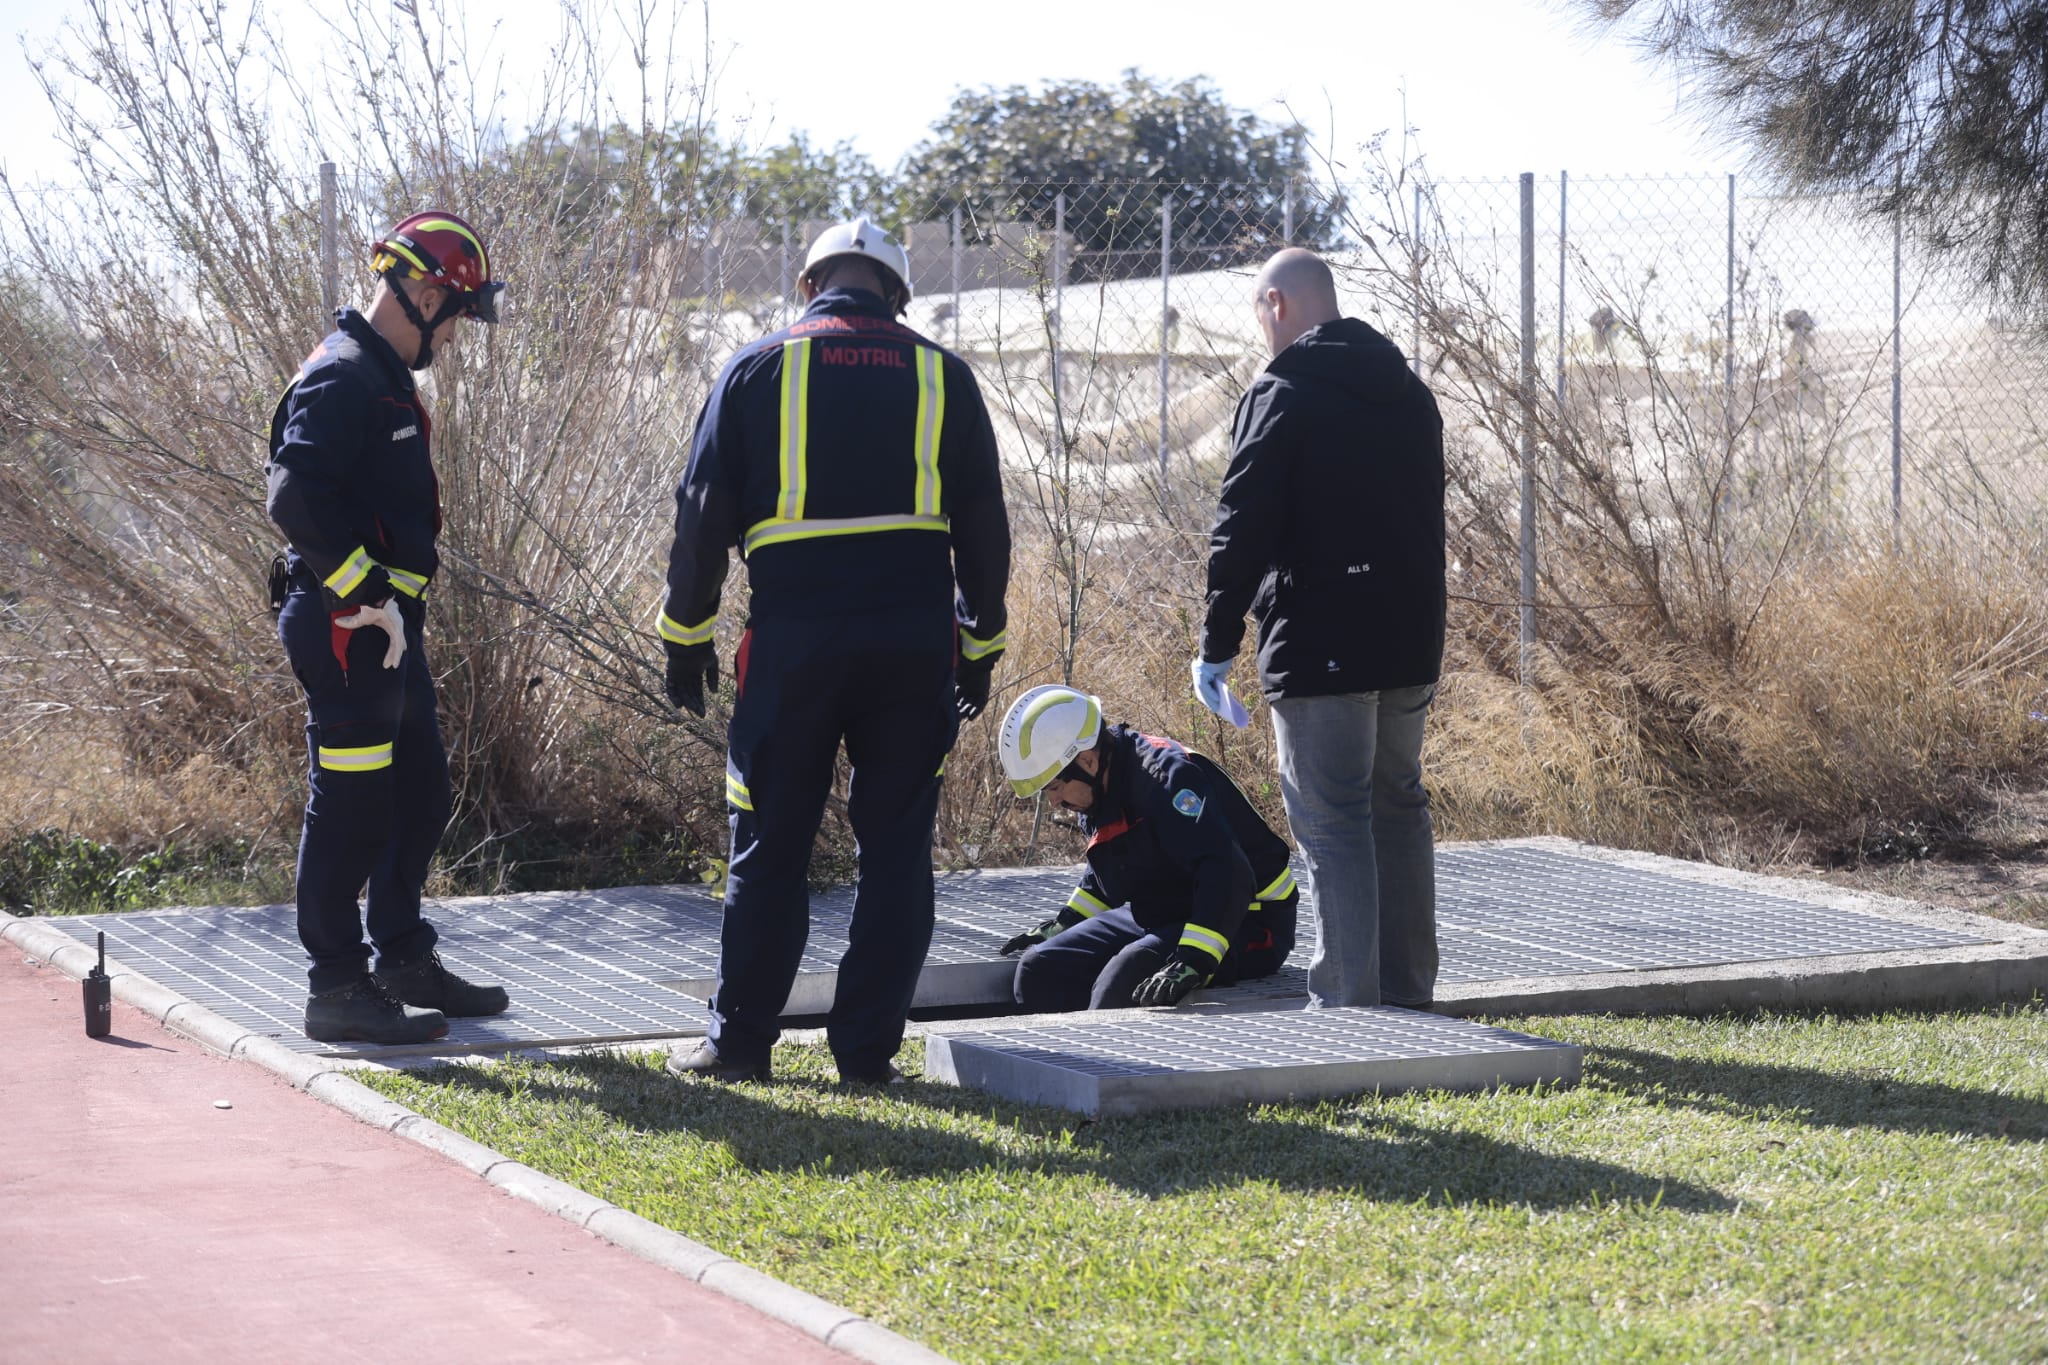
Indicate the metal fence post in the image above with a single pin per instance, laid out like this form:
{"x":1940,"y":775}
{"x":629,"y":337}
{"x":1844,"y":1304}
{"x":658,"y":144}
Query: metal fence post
{"x":1563,"y":224}
{"x":1059,"y":291}
{"x":330,"y":247}
{"x":1165,"y":314}
{"x":782,"y":278}
{"x":1728,"y":341}
{"x":956,"y":277}
{"x":1528,"y":451}
{"x":1415,"y":298}
{"x":1287,"y":213}
{"x":1898,"y":376}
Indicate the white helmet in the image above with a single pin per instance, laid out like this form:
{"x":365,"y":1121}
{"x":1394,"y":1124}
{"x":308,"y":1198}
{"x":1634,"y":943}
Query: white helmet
{"x":861,"y":238}
{"x":1046,"y":727}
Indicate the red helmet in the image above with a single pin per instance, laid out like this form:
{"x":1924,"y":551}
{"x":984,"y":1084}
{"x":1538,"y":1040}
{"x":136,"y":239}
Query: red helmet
{"x":441,"y":249}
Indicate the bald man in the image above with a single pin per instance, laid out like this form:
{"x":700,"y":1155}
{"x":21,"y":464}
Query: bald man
{"x":1331,"y":533}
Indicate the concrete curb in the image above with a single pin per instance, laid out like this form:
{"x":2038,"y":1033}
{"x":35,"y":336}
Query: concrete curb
{"x":837,"y":1327}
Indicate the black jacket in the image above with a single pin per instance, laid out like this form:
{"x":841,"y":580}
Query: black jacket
{"x":1331,"y":524}
{"x":351,"y":480}
{"x":853,"y":462}
{"x":1173,"y":837}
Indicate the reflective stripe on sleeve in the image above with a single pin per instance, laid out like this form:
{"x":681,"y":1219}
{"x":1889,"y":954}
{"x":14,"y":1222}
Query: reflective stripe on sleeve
{"x":736,"y":793}
{"x":775,"y":530}
{"x":972,"y":647}
{"x":367,"y":759}
{"x":1208,"y":940}
{"x":1083,"y":903}
{"x":411,"y":584}
{"x":352,"y":572}
{"x":676,"y":633}
{"x":1281,"y":886}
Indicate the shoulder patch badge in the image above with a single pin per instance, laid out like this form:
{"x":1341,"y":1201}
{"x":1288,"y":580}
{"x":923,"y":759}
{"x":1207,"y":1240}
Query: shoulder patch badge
{"x":1187,"y":803}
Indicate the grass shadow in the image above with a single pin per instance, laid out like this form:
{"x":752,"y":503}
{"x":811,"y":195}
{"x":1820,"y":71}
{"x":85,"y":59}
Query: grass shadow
{"x":922,"y":1131}
{"x":1818,"y":1098}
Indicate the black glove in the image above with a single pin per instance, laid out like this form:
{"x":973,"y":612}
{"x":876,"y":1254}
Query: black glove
{"x":970,"y":685}
{"x":1031,"y":938}
{"x":692,"y":672}
{"x":1169,"y":985}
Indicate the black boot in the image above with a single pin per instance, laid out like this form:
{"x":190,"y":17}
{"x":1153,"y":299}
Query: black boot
{"x":365,"y":1012}
{"x":705,"y":1061}
{"x":430,"y":985}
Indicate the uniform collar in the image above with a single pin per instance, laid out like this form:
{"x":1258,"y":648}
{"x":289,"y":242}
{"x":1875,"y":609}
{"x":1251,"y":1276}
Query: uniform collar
{"x":373,"y":343}
{"x":1120,"y":750}
{"x":839,"y":301}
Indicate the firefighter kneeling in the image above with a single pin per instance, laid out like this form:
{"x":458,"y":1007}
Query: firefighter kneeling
{"x":1186,"y":886}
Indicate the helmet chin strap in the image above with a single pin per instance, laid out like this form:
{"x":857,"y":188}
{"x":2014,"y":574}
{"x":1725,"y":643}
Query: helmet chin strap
{"x":451,"y":306}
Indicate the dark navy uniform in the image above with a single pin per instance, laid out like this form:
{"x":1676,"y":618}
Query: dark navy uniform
{"x":352,"y":487}
{"x":853,"y":463}
{"x":1178,"y":861}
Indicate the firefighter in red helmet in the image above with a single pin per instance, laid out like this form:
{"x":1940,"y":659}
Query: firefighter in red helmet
{"x":352,"y":486}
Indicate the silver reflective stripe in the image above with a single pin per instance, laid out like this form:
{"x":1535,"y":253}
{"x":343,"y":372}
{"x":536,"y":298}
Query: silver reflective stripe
{"x":778,"y":529}
{"x":931,"y":419}
{"x":796,"y":376}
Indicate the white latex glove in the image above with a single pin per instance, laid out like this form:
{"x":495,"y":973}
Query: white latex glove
{"x":385,"y":617}
{"x":1211,"y":691}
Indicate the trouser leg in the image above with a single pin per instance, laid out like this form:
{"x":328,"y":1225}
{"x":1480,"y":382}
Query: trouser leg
{"x":782,"y":744}
{"x":1060,"y":973}
{"x":420,"y":805}
{"x":1404,"y":848}
{"x":1326,"y":749}
{"x":353,"y":709}
{"x":900,"y":725}
{"x":1135,"y":961}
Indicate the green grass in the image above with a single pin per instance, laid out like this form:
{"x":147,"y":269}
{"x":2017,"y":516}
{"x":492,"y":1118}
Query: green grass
{"x":1780,"y":1188}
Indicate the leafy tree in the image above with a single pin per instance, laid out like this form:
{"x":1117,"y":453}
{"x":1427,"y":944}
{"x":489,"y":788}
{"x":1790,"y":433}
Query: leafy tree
{"x":694,"y":178}
{"x":1116,"y":152}
{"x":1934,"y":109}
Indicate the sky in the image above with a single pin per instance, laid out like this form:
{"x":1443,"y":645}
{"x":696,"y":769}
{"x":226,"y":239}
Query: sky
{"x":1493,"y":87}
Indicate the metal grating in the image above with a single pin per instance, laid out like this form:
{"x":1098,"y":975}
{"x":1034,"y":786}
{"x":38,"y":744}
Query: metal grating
{"x":638,"y":961}
{"x":1132,"y":1062}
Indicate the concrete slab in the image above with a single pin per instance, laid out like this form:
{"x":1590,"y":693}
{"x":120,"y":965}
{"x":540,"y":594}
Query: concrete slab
{"x":1139,"y":1061}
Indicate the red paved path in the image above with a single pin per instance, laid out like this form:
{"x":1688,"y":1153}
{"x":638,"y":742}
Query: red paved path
{"x":147,"y":1224}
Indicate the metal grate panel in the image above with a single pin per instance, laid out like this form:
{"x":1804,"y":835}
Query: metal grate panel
{"x":637,"y":961}
{"x":1132,"y":1062}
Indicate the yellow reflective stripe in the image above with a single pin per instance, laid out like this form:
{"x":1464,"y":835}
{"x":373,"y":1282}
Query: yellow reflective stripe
{"x":419,"y":266}
{"x":450,"y":225}
{"x":776,"y":530}
{"x":942,"y":767}
{"x":931,"y":419}
{"x":352,"y":572}
{"x":973,"y":648}
{"x":796,"y":428}
{"x":411,"y":584}
{"x":1208,"y":940}
{"x":736,"y":793}
{"x":1281,"y":886}
{"x":1037,"y":709}
{"x":1085,"y":903}
{"x":676,"y":633}
{"x":366,"y":759}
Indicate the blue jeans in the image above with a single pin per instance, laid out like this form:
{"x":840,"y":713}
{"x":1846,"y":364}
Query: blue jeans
{"x":1351,"y":775}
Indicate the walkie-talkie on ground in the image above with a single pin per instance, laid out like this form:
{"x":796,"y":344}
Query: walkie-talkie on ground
{"x":99,"y":996}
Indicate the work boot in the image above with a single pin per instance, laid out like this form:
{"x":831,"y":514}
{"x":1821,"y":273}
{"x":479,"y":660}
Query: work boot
{"x":429,"y":984}
{"x":705,"y":1061}
{"x":364,"y":1011}
{"x":888,"y":1075}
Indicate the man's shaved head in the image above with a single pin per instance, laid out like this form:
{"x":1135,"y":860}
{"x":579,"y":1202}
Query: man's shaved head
{"x":1294,"y":292}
